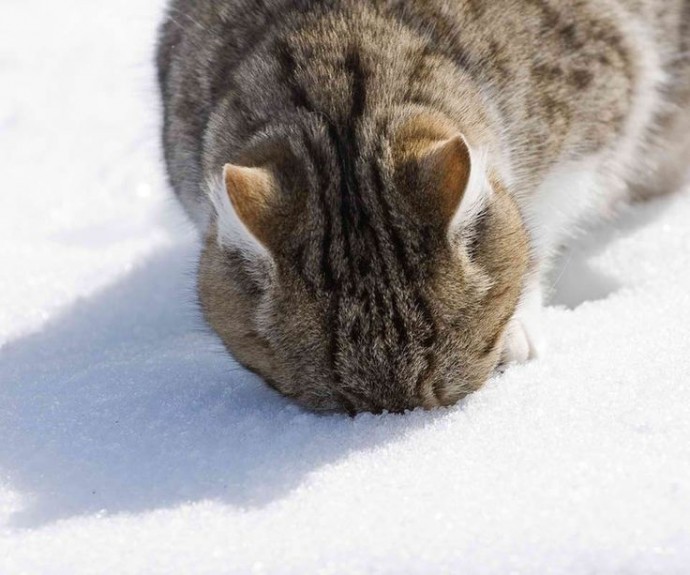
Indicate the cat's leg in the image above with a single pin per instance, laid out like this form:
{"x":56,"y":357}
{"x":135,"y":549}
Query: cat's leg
{"x":551,"y":215}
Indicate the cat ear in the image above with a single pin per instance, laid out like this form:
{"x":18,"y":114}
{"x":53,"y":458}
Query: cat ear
{"x":243,"y":202}
{"x":457,"y":174}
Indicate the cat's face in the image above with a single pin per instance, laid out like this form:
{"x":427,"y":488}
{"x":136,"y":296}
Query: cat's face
{"x":391,"y":291}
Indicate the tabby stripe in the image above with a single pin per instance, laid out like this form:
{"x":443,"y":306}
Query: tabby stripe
{"x":264,"y":20}
{"x":433,"y":26}
{"x":684,"y":26}
{"x":319,"y":164}
{"x":412,"y":276}
{"x":288,"y":66}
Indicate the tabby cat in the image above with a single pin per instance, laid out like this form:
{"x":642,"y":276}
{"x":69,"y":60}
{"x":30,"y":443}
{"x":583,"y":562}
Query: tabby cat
{"x":382,"y":184}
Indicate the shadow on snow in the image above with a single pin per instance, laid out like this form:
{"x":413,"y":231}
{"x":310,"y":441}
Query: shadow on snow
{"x":126,"y":403}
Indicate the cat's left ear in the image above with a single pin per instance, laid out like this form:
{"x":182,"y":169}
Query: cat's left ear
{"x":245,"y":202}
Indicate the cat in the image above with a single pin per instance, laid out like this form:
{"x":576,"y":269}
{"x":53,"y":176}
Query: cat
{"x":382,"y":185}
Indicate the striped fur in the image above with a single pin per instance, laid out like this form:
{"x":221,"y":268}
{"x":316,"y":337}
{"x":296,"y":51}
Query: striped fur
{"x":366,"y":296}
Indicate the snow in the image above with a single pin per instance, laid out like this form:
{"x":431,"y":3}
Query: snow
{"x":132,"y":444}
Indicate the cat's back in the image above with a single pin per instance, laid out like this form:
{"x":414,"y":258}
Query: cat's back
{"x":561,"y":73}
{"x":214,"y":34}
{"x":203,"y":42}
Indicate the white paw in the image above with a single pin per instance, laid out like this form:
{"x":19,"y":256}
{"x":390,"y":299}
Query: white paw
{"x":523,"y":341}
{"x":516,"y":345}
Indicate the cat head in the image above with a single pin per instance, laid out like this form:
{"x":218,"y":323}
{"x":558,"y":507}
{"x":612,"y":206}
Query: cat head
{"x":364,"y":271}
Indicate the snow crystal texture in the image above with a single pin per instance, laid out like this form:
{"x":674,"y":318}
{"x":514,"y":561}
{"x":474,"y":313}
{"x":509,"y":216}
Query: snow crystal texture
{"x":130,"y":443}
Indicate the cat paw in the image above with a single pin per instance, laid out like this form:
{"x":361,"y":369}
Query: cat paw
{"x":523,"y":341}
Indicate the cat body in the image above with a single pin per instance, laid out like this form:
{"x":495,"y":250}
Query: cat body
{"x":382,"y":185}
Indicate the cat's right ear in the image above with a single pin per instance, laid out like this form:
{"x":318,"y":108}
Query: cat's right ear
{"x":458,"y":178}
{"x":446,"y":175}
{"x":244,"y":201}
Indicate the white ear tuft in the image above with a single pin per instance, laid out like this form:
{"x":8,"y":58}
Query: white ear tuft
{"x":477,"y":192}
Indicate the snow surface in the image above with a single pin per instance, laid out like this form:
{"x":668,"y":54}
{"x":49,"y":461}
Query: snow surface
{"x":130,"y":443}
